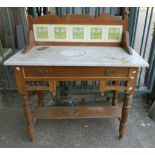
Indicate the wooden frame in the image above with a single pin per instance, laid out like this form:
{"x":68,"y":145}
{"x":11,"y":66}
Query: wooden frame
{"x":28,"y":74}
{"x":110,"y":78}
{"x":103,"y":19}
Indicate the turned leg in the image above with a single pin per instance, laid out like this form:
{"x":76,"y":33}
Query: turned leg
{"x":124,"y":117}
{"x":115,"y":97}
{"x":40,"y":98}
{"x":29,"y":117}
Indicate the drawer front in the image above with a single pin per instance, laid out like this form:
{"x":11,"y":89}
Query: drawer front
{"x":75,"y":72}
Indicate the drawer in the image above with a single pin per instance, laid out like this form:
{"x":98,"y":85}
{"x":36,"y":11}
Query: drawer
{"x":75,"y":72}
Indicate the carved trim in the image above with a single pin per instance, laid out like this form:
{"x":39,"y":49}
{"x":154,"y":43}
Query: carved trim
{"x":29,"y":117}
{"x":125,"y":42}
{"x":103,"y":19}
{"x":30,"y":42}
{"x":125,"y":111}
{"x":115,"y":97}
{"x":52,"y":87}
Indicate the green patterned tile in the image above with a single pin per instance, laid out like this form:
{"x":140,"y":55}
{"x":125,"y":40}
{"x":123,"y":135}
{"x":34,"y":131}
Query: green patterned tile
{"x":42,"y":32}
{"x":78,"y":33}
{"x":60,"y":32}
{"x":96,"y":33}
{"x":114,"y":33}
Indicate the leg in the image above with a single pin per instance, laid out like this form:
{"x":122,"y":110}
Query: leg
{"x":124,"y":117}
{"x":115,"y":97}
{"x":40,"y":98}
{"x":29,"y":117}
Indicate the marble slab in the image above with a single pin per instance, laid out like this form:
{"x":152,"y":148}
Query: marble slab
{"x":77,"y":56}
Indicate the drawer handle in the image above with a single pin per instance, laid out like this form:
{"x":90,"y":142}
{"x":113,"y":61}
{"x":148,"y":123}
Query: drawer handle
{"x":109,"y":72}
{"x":42,"y":72}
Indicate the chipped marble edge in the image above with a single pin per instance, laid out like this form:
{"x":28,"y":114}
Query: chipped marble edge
{"x":67,"y":65}
{"x":11,"y":63}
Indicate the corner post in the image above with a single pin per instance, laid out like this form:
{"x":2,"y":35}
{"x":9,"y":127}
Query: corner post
{"x":125,"y":112}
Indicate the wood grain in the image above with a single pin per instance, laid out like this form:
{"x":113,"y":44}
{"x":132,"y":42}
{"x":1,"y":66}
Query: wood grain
{"x":49,"y":74}
{"x":115,"y":97}
{"x":29,"y":117}
{"x":77,"y":112}
{"x":125,"y":112}
{"x":103,"y":19}
{"x":62,"y":72}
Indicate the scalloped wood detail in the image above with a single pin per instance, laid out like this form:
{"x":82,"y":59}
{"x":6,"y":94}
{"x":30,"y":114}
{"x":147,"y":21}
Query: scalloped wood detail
{"x":80,"y":19}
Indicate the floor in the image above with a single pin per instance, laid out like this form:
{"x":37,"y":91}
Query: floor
{"x":93,"y":133}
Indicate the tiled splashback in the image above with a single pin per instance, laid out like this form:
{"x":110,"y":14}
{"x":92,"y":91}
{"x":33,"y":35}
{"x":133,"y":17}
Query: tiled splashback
{"x":77,"y":33}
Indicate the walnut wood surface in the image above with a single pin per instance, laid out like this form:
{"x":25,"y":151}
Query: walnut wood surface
{"x":53,"y":74}
{"x":30,"y":42}
{"x":29,"y":117}
{"x":115,"y":97}
{"x":77,"y":112}
{"x":103,"y":19}
{"x":125,"y":112}
{"x":125,"y":42}
{"x":40,"y":98}
{"x":87,"y":72}
{"x":113,"y":44}
{"x":105,"y":75}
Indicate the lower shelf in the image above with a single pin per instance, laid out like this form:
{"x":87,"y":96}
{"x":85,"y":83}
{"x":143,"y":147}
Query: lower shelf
{"x":77,"y":112}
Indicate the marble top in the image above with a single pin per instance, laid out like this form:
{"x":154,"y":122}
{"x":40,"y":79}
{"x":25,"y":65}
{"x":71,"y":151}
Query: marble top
{"x":76,"y":56}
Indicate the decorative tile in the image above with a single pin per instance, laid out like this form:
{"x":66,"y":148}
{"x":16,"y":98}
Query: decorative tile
{"x":114,"y":33}
{"x":78,"y":33}
{"x":96,"y":33}
{"x":41,"y":32}
{"x":60,"y":32}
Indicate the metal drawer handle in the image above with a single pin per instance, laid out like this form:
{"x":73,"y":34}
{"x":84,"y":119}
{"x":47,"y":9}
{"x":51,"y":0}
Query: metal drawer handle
{"x":42,"y":72}
{"x":109,"y":72}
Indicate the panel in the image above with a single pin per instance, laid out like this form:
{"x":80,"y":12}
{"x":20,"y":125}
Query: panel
{"x":41,"y":32}
{"x":77,"y":112}
{"x":59,"y":32}
{"x":75,"y":72}
{"x":96,"y":33}
{"x":114,"y":33}
{"x":78,"y":33}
